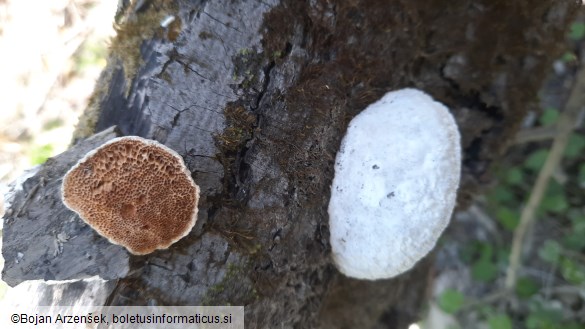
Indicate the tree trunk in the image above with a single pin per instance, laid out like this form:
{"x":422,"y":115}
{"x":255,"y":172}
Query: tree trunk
{"x":256,"y":96}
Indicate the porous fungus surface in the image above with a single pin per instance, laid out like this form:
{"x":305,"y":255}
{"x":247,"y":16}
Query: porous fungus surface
{"x":395,"y":185}
{"x":135,"y":192}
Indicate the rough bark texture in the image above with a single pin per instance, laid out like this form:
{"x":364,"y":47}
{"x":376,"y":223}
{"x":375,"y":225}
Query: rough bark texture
{"x":256,"y":96}
{"x":44,"y":240}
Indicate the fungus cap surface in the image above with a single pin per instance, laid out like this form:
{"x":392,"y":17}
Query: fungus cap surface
{"x":395,"y":185}
{"x":135,"y":192}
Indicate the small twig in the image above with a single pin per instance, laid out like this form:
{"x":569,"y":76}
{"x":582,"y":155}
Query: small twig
{"x":540,"y":134}
{"x":564,"y":128}
{"x":484,"y":219}
{"x":568,"y":289}
{"x":31,"y":193}
{"x":536,"y":135}
{"x":560,"y":176}
{"x":491,"y":298}
{"x":247,"y":237}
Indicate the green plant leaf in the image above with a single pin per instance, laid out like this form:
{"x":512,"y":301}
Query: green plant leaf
{"x":578,"y":227}
{"x":526,"y":287}
{"x":554,"y":203}
{"x":549,"y":116}
{"x":500,"y":321}
{"x":543,"y":315}
{"x":569,"y":57}
{"x":514,"y":176}
{"x":508,"y":218}
{"x":484,"y":270}
{"x":576,"y":216}
{"x":582,"y":174}
{"x":502,"y":194}
{"x":451,"y":301}
{"x":572,"y":272}
{"x":40,"y":153}
{"x":535,"y":160}
{"x":577,"y":31}
{"x":486,"y":251}
{"x":550,"y":251}
{"x":554,"y":200}
{"x":574,"y":241}
{"x":575,"y":146}
{"x":502,"y":255}
{"x":572,"y":325}
{"x":538,"y":321}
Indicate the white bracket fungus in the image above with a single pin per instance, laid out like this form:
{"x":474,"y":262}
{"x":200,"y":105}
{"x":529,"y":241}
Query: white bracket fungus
{"x":135,"y":192}
{"x":395,"y":185}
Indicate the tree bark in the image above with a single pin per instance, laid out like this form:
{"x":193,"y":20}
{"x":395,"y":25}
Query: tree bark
{"x":256,"y":96}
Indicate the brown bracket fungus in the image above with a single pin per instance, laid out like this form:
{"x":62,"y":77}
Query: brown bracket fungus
{"x":135,"y":192}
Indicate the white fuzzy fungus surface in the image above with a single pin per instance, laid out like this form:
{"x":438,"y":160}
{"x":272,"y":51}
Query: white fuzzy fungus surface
{"x":395,"y":185}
